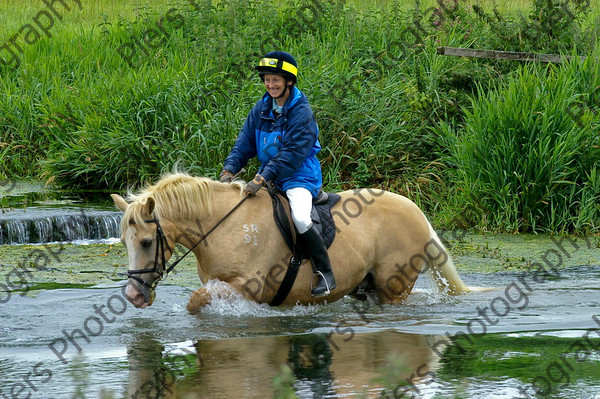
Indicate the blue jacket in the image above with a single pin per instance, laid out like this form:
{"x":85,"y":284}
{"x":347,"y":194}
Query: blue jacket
{"x":286,"y":147}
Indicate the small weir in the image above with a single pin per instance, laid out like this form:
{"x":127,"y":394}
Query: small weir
{"x":32,"y":215}
{"x":46,"y":225}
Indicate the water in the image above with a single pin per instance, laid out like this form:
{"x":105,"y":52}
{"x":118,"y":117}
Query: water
{"x":29,"y":213}
{"x":235,"y":348}
{"x":67,"y":335}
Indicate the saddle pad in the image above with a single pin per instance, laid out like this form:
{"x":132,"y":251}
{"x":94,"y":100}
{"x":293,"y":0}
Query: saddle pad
{"x":324,"y":221}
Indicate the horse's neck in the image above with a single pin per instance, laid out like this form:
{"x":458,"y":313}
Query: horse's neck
{"x":198,"y":225}
{"x":230,"y":243}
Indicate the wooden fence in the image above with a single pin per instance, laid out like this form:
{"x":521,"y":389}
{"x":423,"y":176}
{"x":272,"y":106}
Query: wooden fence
{"x":503,"y":55}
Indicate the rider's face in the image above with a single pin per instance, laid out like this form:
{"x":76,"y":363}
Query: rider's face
{"x":275,"y":84}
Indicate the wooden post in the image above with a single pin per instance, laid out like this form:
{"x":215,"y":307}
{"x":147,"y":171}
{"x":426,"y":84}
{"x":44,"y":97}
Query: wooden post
{"x":503,"y":55}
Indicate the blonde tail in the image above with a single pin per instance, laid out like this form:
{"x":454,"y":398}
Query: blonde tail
{"x":442,"y":268}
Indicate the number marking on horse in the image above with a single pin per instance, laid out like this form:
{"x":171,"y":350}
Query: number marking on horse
{"x":251,"y":234}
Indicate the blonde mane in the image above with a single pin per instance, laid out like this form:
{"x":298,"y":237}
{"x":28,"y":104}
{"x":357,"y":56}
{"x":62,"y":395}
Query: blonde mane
{"x":177,"y":196}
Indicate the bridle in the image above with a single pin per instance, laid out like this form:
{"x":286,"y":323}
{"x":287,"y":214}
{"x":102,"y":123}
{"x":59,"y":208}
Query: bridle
{"x":162,"y":243}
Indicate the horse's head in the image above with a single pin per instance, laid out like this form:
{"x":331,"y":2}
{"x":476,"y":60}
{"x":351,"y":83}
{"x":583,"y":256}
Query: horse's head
{"x":147,"y":246}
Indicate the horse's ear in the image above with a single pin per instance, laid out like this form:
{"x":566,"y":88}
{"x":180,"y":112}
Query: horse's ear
{"x":149,"y":206}
{"x":120,"y":202}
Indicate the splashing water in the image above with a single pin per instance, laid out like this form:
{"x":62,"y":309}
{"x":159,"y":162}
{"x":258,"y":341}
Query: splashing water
{"x":225,"y":301}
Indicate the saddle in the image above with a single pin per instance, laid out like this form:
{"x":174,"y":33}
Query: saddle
{"x":322,"y":220}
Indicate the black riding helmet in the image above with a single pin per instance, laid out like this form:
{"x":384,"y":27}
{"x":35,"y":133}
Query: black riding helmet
{"x":280,"y":63}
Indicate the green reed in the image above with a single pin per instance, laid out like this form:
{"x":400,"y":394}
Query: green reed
{"x":78,"y":114}
{"x":528,"y":157}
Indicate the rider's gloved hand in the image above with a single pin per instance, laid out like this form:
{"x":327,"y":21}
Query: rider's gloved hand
{"x":226,"y":176}
{"x":255,"y":185}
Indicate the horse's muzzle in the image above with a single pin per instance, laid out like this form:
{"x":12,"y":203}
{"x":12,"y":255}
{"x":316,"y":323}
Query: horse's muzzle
{"x":139,"y":295}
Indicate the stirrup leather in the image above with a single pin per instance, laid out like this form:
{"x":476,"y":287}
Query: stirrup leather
{"x":327,"y":291}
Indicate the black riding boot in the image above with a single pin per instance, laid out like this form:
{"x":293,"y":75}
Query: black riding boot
{"x":320,"y":261}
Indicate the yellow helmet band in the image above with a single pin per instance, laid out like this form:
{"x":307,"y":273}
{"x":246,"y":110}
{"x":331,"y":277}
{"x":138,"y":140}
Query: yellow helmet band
{"x":278,"y":64}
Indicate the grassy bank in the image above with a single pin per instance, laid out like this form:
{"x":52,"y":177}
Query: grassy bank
{"x":116,"y":93}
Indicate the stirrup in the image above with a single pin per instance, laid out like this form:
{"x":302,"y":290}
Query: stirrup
{"x":327,"y":290}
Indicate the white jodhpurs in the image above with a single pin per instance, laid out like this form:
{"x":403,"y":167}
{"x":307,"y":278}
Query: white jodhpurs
{"x":301,"y":205}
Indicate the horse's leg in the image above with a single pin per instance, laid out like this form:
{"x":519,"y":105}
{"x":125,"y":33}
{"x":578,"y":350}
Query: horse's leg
{"x":199,"y":298}
{"x":202,"y":296}
{"x":395,"y":275}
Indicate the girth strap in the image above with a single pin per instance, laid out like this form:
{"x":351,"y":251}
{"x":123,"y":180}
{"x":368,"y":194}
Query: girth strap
{"x":287,"y":282}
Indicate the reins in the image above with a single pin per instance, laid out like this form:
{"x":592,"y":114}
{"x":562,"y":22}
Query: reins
{"x":160,"y":238}
{"x":207,"y":233}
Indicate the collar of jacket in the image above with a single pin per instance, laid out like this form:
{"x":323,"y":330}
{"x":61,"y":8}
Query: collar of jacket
{"x":267,"y":103}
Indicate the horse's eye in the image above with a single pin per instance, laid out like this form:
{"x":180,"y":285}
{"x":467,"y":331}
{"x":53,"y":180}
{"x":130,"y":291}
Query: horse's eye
{"x":146,"y":242}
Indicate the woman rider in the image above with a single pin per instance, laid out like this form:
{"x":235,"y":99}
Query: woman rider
{"x":281,"y":130}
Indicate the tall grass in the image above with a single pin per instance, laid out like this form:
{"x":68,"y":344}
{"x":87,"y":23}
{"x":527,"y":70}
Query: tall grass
{"x":76,"y":114}
{"x":528,"y":156}
{"x":93,"y":121}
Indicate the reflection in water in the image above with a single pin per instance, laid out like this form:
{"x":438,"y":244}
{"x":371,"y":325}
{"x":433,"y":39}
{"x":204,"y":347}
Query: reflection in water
{"x":310,"y":358}
{"x":323,"y":365}
{"x":237,"y":349}
{"x":148,"y":377}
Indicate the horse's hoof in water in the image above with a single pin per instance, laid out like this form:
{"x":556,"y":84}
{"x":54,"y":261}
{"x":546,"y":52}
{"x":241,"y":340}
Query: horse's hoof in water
{"x":198,"y":300}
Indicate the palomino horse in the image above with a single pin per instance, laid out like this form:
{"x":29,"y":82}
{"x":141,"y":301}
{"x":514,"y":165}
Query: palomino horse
{"x":382,"y":239}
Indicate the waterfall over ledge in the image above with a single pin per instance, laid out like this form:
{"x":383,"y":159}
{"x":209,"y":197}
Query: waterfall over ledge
{"x":35,"y":225}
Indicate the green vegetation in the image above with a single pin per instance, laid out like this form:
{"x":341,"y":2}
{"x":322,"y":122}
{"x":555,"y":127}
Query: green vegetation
{"x":119,"y":92}
{"x":78,"y":266}
{"x":283,"y":384}
{"x":531,"y":148}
